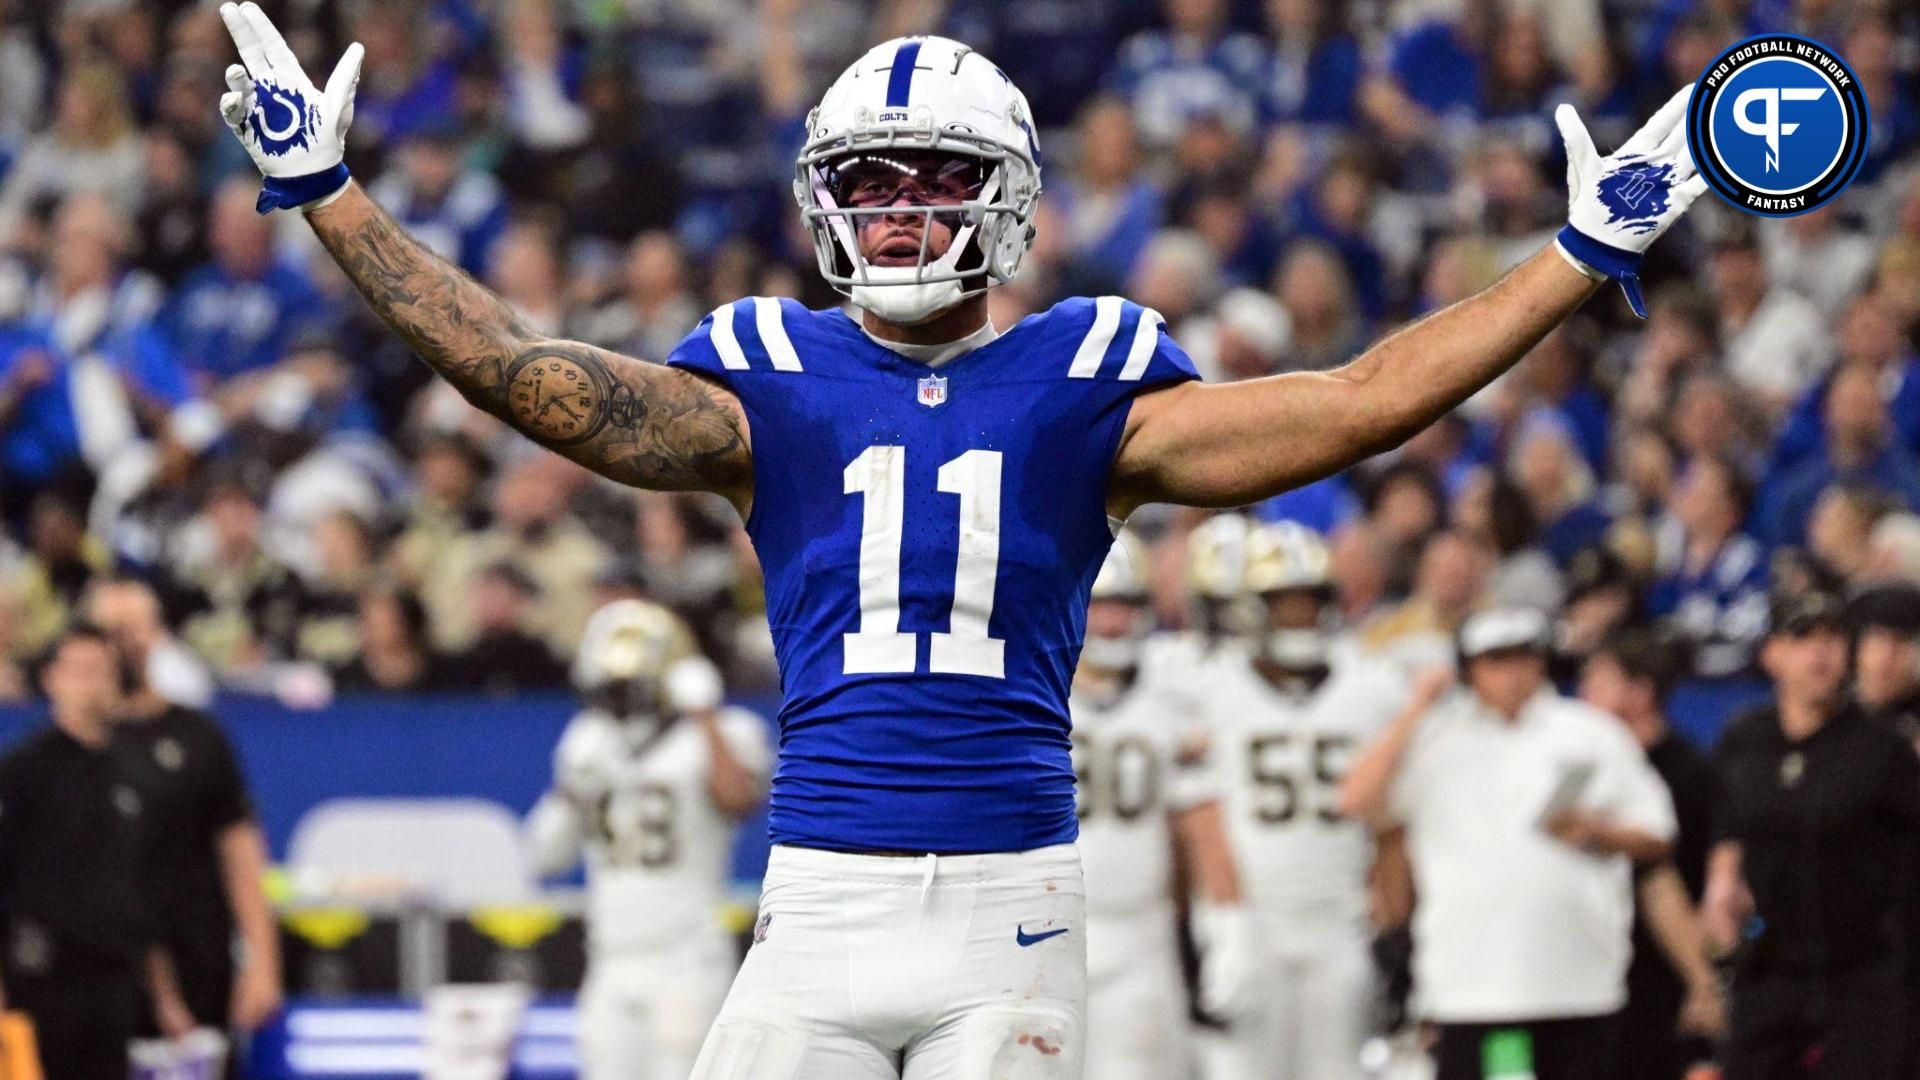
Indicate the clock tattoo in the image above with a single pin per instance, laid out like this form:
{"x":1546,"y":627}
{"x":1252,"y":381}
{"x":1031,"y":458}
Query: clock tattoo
{"x":557,"y":398}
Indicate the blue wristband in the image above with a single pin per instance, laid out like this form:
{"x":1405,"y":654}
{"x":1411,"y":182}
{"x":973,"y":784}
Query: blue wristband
{"x":288,"y":192}
{"x":1618,"y":264}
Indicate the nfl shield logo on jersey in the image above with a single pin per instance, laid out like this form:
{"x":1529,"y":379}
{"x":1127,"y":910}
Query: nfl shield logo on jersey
{"x":933,"y":390}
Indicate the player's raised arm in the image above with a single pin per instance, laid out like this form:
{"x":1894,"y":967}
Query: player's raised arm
{"x":636,"y":422}
{"x":1240,"y":442}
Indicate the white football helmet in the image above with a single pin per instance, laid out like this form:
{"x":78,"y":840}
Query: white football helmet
{"x":929,"y":109}
{"x":627,"y":653}
{"x":1122,"y":578}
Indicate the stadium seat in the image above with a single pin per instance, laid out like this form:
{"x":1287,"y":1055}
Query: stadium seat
{"x":457,"y":853}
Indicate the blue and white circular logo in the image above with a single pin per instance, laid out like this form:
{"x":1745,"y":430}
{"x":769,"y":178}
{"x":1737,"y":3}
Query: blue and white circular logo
{"x":1777,"y":125}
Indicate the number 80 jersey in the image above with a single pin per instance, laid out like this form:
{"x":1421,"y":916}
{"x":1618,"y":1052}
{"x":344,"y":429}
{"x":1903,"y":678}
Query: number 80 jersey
{"x":928,"y":538}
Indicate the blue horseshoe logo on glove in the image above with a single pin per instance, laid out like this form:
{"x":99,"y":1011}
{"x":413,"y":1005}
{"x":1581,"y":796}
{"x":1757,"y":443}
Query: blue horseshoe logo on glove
{"x":297,"y":132}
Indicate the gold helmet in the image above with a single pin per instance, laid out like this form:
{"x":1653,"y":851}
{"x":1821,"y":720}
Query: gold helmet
{"x":1217,"y":557}
{"x":626,"y":652}
{"x":1286,"y":555}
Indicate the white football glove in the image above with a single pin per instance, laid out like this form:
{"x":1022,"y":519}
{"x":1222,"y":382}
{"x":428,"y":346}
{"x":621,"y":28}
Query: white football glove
{"x":1623,"y":202}
{"x":296,"y":134}
{"x":1229,"y":957}
{"x":694,"y":686}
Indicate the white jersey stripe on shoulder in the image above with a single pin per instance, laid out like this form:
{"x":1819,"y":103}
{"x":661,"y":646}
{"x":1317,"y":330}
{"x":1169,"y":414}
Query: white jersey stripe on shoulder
{"x":1145,"y":336}
{"x":1106,"y":322}
{"x":725,"y":342}
{"x":773,"y":334}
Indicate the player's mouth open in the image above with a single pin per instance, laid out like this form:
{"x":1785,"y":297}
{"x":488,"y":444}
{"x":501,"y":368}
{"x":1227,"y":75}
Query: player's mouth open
{"x":901,"y":249}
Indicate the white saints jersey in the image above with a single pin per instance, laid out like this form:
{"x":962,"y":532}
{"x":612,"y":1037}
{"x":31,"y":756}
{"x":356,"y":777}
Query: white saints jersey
{"x":1135,"y":761}
{"x":1282,"y":757}
{"x":657,"y":847}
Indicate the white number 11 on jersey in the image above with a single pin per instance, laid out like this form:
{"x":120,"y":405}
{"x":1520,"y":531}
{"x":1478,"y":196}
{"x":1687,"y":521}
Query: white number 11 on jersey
{"x":879,"y":475}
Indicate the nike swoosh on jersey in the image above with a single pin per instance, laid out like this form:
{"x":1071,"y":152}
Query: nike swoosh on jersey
{"x":1025,"y":939}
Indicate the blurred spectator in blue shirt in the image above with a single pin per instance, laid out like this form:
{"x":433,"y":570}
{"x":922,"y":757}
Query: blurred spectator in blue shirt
{"x":1546,"y":462}
{"x":1523,"y":85}
{"x":1107,"y":206}
{"x":1429,"y":91}
{"x":542,"y":80}
{"x":457,"y":212}
{"x":1872,"y":51}
{"x":89,"y":304}
{"x":1337,"y":211}
{"x":1317,"y":65}
{"x":1553,"y":376}
{"x":1710,"y":577}
{"x":86,"y":369}
{"x":1243,"y":239}
{"x":38,"y":435}
{"x":1868,"y":336}
{"x":403,"y":84}
{"x":1861,"y":447}
{"x":1056,"y":51}
{"x":1196,"y":66}
{"x":238,"y":312}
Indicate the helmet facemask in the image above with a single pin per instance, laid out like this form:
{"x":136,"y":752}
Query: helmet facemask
{"x":980,"y":189}
{"x":1298,"y":628}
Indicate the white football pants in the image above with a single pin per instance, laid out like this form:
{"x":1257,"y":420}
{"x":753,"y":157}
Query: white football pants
{"x":644,"y":1015}
{"x":1136,"y":999}
{"x":1315,"y":1013}
{"x":869,"y":967}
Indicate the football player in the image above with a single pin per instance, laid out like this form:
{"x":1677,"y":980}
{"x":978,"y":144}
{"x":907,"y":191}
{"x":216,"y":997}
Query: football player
{"x":1216,"y":573}
{"x":1147,"y":804}
{"x":1286,"y":722}
{"x":930,"y":497}
{"x":649,"y":779}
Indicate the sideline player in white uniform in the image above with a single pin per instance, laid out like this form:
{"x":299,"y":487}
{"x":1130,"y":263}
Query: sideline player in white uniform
{"x":1286,"y":721}
{"x":650,"y":779}
{"x":1149,"y":818}
{"x":929,"y":496}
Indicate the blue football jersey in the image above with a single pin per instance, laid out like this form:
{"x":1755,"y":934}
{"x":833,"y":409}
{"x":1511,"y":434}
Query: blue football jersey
{"x":929,"y":537}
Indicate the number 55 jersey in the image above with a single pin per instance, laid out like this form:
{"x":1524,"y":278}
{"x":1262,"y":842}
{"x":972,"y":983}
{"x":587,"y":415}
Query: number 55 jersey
{"x":928,"y":537}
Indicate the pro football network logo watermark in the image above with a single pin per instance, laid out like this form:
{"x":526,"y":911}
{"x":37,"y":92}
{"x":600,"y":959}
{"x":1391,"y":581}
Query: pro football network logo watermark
{"x":1778,"y":125}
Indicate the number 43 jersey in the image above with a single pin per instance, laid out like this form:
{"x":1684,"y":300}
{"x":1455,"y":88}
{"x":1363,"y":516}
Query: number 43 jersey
{"x":657,"y":847}
{"x":929,"y":537}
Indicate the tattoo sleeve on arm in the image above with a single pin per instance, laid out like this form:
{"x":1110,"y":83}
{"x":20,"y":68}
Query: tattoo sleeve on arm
{"x":640,"y":423}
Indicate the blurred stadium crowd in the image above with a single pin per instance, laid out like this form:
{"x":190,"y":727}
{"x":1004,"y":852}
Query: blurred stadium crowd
{"x":191,"y":394}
